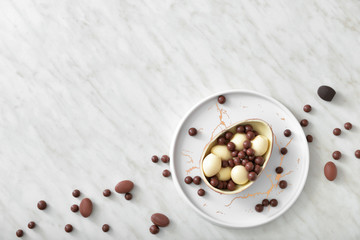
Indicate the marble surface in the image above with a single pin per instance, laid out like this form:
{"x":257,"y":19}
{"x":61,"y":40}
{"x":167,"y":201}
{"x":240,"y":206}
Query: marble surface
{"x":90,"y":90}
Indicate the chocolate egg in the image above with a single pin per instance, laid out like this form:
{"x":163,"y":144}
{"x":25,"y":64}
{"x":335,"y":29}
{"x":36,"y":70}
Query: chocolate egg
{"x":211,"y":165}
{"x":86,"y":207}
{"x":221,"y":151}
{"x":330,"y":171}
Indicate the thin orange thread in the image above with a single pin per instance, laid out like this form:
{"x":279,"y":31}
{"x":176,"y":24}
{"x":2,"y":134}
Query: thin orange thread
{"x":187,"y":155}
{"x":190,"y":169}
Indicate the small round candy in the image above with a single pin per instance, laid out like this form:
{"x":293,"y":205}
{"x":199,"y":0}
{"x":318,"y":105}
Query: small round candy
{"x":231,"y":163}
{"x":68,"y":228}
{"x":259,"y":160}
{"x":192,"y":131}
{"x":307,"y":108}
{"x":197,"y":180}
{"x":242,"y":154}
{"x":154,"y":159}
{"x":257,"y":169}
{"x":105,"y":228}
{"x":154,"y":229}
{"x":273,"y":202}
{"x":244,"y":162}
{"x":265,"y":202}
{"x":106,"y":192}
{"x":279,"y":170}
{"x":347,"y":126}
{"x":309,"y":138}
{"x":237,"y":161}
{"x":304,"y":123}
{"x":287,"y":133}
{"x":74,"y":208}
{"x":128,"y":196}
{"x":231,"y":146}
{"x":214,"y":181}
{"x":337,"y":131}
{"x":76,"y":193}
{"x":247,"y":144}
{"x":259,"y":208}
{"x":250,"y":152}
{"x":282,"y":184}
{"x":251,"y":158}
{"x":201,"y":192}
{"x":224,"y":163}
{"x":42,"y":205}
{"x":250,"y":135}
{"x":166,"y":173}
{"x":19,"y":233}
{"x":231,"y":185}
{"x":229,"y":135}
{"x":188,"y":180}
{"x":240,"y":129}
{"x":249,"y":166}
{"x":357,"y":153}
{"x":248,"y":128}
{"x":165,"y":158}
{"x":221,"y":141}
{"x":336,"y":155}
{"x":31,"y":225}
{"x":283,"y":151}
{"x":221,"y":99}
{"x":252,"y":176}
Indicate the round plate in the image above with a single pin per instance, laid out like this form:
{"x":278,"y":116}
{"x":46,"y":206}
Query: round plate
{"x":210,"y":117}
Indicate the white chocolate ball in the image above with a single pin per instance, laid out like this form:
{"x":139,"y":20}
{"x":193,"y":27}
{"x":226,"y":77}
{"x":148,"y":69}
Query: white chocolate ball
{"x":221,"y":151}
{"x":238,"y":139}
{"x":260,"y":145}
{"x":211,"y":165}
{"x":224,"y":174}
{"x":239,"y":175}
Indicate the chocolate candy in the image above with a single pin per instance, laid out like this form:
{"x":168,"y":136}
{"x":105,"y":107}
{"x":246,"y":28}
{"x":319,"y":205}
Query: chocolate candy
{"x":197,"y":180}
{"x":309,"y":138}
{"x":248,"y":128}
{"x":106,"y":192}
{"x":273,"y":202}
{"x":259,"y":160}
{"x":237,"y":161}
{"x":247,"y":144}
{"x":231,"y":185}
{"x":252,"y":176}
{"x":68,"y":228}
{"x":265,"y":202}
{"x":188,"y":180}
{"x":224,"y":163}
{"x":229,"y":135}
{"x":336,"y":155}
{"x":234,"y":153}
{"x":221,"y":141}
{"x":279,"y":170}
{"x":330,"y":171}
{"x":244,"y":162}
{"x":76,"y":193}
{"x":240,"y":129}
{"x":337,"y":131}
{"x":250,"y":135}
{"x":282,"y":184}
{"x":283,"y":151}
{"x":231,"y":163}
{"x":86,"y":207}
{"x":124,"y":186}
{"x":257,"y":169}
{"x":259,"y":208}
{"x":128,"y":196}
{"x":105,"y":228}
{"x":250,"y":152}
{"x":214,"y":181}
{"x":41,"y":205}
{"x":231,"y":146}
{"x":154,"y":159}
{"x":201,"y":192}
{"x":74,"y":208}
{"x":19,"y":233}
{"x":307,"y":108}
{"x":221,"y":99}
{"x":242,"y":154}
{"x":357,"y":153}
{"x":251,"y":158}
{"x":287,"y":133}
{"x":326,"y":93}
{"x":304,"y":122}
{"x":160,"y":219}
{"x":348,"y":126}
{"x":165,"y":158}
{"x":154,"y":229}
{"x":249,"y":166}
{"x":31,"y":225}
{"x":192,"y":131}
{"x":166,"y":173}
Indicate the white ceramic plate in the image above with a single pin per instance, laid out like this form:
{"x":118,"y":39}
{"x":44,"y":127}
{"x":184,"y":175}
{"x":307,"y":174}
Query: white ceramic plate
{"x":210,"y":117}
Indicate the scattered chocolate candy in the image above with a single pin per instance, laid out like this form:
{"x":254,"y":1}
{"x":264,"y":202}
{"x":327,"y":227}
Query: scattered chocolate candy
{"x":326,"y":93}
{"x":201,"y":192}
{"x":231,"y":185}
{"x":304,"y":122}
{"x":244,"y":162}
{"x":257,"y":169}
{"x":221,"y":99}
{"x":214,"y":181}
{"x":76,"y":193}
{"x":307,"y":108}
{"x":259,"y":161}
{"x":337,"y":131}
{"x":188,"y":180}
{"x":249,"y":166}
{"x":273,"y":202}
{"x":165,"y":158}
{"x":234,"y":153}
{"x":259,"y":208}
{"x":68,"y":228}
{"x":251,"y":158}
{"x":231,"y":163}
{"x":154,"y":229}
{"x":357,"y":153}
{"x":279,"y":170}
{"x":309,"y":138}
{"x":242,"y":154}
{"x":197,"y":180}
{"x":229,"y":135}
{"x":154,"y":159}
{"x":237,"y":161}
{"x":107,"y":193}
{"x":248,"y":128}
{"x":336,"y":155}
{"x":224,"y":163}
{"x":247,"y":144}
{"x":265,"y":202}
{"x":282,"y":184}
{"x":240,"y":129}
{"x":31,"y":225}
{"x":283,"y":151}
{"x":41,"y":205}
{"x":86,"y":207}
{"x":19,"y":233}
{"x":231,"y":146}
{"x":250,"y":135}
{"x":221,"y":141}
{"x":287,"y":133}
{"x":105,"y":228}
{"x":252,"y":176}
{"x":250,"y":152}
{"x":74,"y":208}
{"x":348,"y":126}
{"x":128,"y":196}
{"x":166,"y":173}
{"x":124,"y":186}
{"x":330,"y":171}
{"x":160,"y":219}
{"x":192,"y":131}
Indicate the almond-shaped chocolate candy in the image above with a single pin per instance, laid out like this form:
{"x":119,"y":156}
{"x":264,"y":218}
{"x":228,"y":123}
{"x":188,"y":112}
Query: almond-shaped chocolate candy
{"x":160,"y":219}
{"x":86,"y":207}
{"x":330,"y":171}
{"x":124,"y":186}
{"x":326,"y":93}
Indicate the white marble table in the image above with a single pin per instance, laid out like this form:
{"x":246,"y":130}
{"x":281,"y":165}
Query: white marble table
{"x":90,"y":90}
